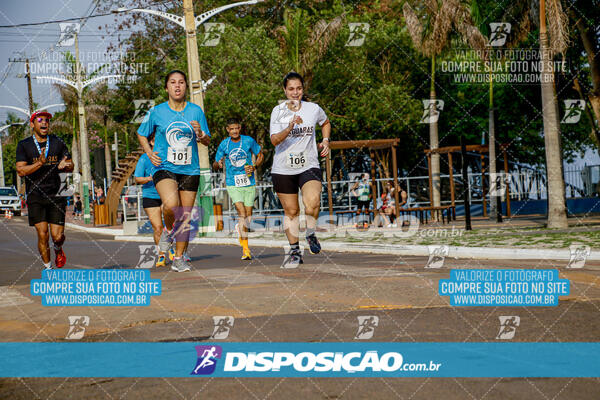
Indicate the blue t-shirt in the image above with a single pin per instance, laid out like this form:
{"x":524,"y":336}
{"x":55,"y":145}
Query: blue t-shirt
{"x":143,"y":169}
{"x":175,"y":139}
{"x":237,"y":154}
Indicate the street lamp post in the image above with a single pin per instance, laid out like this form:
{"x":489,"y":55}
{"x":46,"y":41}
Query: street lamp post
{"x":79,"y":85}
{"x":190,"y":23}
{"x":2,"y":129}
{"x":26,"y":112}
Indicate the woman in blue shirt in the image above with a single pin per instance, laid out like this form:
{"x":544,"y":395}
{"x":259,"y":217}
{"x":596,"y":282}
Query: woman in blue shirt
{"x":177,"y":125}
{"x":150,"y":199}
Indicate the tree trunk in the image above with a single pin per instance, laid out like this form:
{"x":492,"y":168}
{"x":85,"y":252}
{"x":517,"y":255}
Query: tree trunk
{"x":107,"y":158}
{"x":434,"y":142}
{"x":76,"y":163}
{"x":383,"y":164}
{"x":557,"y":212}
{"x":589,"y":44}
{"x":492,"y":154}
{"x":588,"y":112}
{"x":108,"y":161}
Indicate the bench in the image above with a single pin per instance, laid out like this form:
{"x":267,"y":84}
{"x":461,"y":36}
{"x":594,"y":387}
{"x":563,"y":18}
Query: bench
{"x":339,"y":214}
{"x":444,"y":213}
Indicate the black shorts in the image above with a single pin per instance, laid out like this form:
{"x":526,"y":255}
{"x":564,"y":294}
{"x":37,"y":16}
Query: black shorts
{"x":290,"y":184}
{"x":364,"y":204}
{"x":148,"y":202}
{"x":187,"y":183}
{"x":46,"y":209}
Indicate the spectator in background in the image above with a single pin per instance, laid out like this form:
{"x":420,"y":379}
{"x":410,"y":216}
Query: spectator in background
{"x":78,"y":206}
{"x":99,"y":195}
{"x":362,"y":190}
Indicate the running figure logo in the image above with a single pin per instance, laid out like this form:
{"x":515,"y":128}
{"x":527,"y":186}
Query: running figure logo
{"x":573,"y":110}
{"x":148,"y":254}
{"x":499,"y":33}
{"x":508,"y":327}
{"x":67,"y":184}
{"x":437,"y":255}
{"x":287,"y":256}
{"x":366,"y":326}
{"x":212,"y":33}
{"x":207,"y":359}
{"x":286,"y":110}
{"x":358,"y":33}
{"x":77,"y":325}
{"x":142,"y":106}
{"x":67,"y":34}
{"x":579,"y":253}
{"x":498,"y":183}
{"x":431,"y":111}
{"x":223,"y":325}
{"x":187,"y":223}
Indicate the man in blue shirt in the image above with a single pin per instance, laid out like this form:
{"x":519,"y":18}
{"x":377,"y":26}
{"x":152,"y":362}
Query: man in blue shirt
{"x":237,"y":151}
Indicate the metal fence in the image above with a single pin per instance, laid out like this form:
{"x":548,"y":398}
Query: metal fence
{"x":526,"y":184}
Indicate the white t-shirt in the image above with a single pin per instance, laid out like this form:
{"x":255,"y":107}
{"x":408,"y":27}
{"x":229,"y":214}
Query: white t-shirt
{"x":298,"y":152}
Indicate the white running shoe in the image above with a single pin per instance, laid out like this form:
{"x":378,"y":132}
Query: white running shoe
{"x":180,"y":265}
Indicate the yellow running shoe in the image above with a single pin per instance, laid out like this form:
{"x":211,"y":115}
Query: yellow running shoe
{"x":171,"y":253}
{"x":246,"y":255}
{"x":161,"y":262}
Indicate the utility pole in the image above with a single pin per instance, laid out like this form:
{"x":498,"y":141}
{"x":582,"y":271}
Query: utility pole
{"x":30,"y":100}
{"x":107,"y":158}
{"x":86,"y":176}
{"x":30,"y":93}
{"x":204,"y":200}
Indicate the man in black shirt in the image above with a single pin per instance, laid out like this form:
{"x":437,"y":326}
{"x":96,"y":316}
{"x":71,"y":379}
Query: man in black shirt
{"x":39,"y":160}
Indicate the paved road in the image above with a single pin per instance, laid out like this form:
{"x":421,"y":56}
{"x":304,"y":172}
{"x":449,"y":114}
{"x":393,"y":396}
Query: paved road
{"x":318,"y":302}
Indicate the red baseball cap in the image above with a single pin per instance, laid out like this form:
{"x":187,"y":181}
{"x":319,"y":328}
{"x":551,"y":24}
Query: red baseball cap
{"x":40,"y":114}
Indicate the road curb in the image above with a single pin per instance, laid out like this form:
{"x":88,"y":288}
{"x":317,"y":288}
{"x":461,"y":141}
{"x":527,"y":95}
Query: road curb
{"x":478,"y":253}
{"x":100,"y":231}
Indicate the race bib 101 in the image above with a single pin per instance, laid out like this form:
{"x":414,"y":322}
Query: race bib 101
{"x":180,"y":156}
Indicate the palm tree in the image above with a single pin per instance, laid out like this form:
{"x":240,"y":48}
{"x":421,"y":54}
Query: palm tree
{"x":555,"y":42}
{"x":303,"y":46}
{"x":431,"y":33}
{"x":70,"y":98}
{"x":554,"y":39}
{"x":98,"y":113}
{"x":67,"y":122}
{"x":480,"y":23}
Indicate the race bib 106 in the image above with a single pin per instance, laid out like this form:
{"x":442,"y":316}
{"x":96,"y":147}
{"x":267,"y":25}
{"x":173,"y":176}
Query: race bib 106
{"x":180,"y":156}
{"x":296,"y":160}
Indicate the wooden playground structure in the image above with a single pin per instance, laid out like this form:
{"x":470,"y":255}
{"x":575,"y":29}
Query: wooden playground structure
{"x":476,"y":148}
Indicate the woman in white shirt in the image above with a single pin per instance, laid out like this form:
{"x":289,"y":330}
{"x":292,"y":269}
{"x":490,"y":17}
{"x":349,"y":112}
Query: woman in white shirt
{"x":296,"y":162}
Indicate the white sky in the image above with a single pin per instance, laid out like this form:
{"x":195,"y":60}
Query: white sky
{"x":34,"y":40}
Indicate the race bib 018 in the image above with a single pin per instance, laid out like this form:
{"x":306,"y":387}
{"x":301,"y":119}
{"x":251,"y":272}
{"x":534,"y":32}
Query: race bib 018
{"x":180,"y":156}
{"x":296,"y":160}
{"x":241,"y":180}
